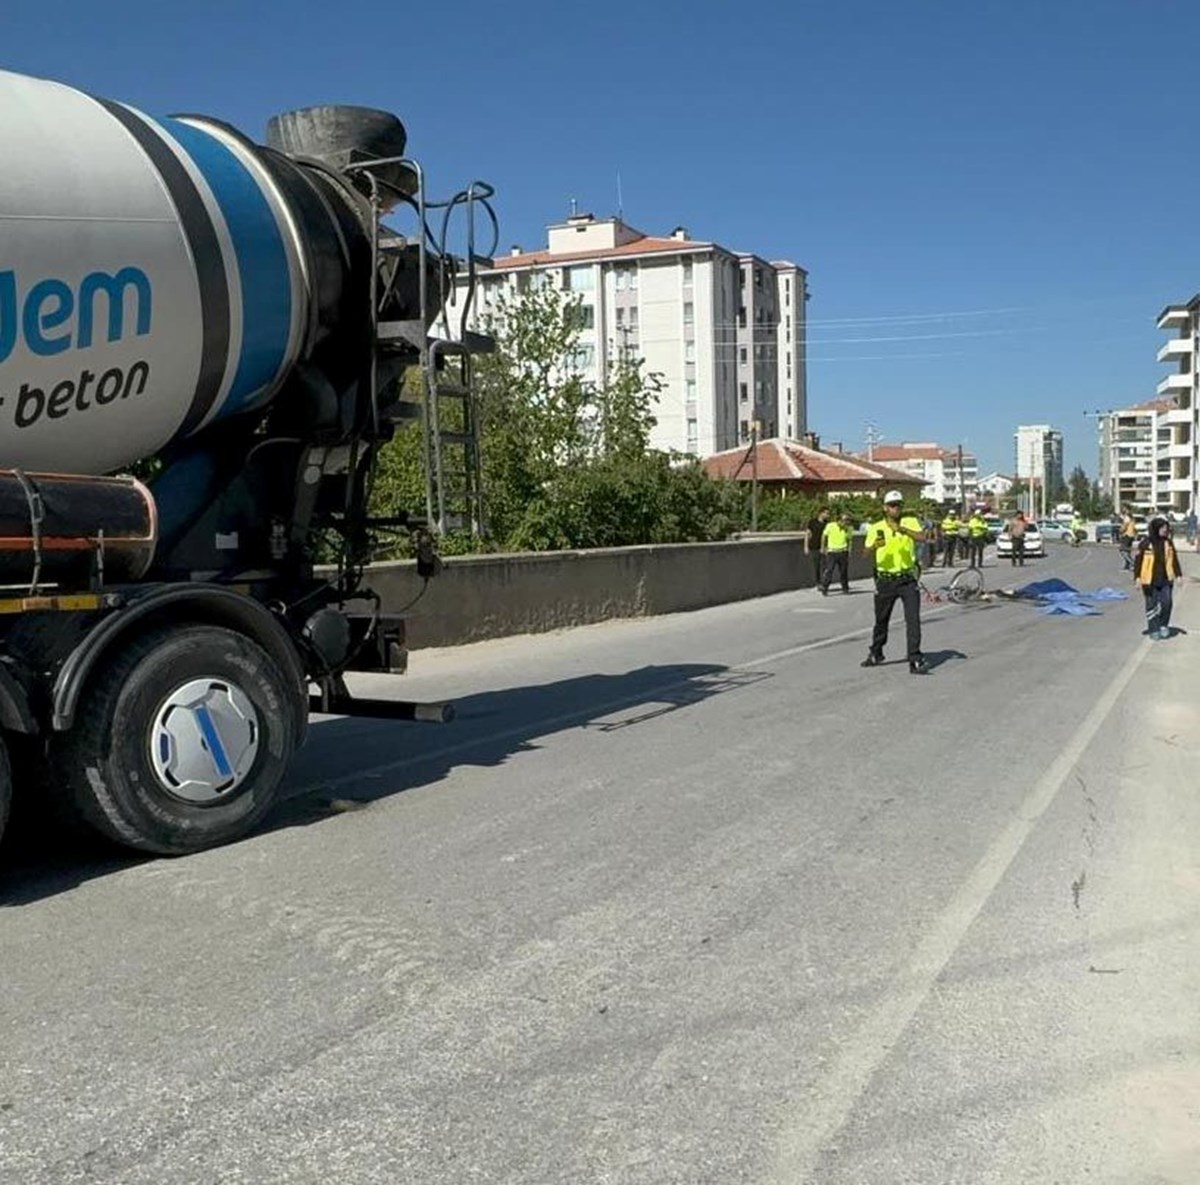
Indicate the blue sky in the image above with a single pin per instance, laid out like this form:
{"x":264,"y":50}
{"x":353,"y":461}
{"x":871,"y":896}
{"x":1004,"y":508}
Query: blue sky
{"x":993,"y":198}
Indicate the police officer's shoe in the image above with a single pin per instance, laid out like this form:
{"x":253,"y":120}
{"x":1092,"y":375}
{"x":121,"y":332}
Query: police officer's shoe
{"x":872,"y":660}
{"x":918,"y":666}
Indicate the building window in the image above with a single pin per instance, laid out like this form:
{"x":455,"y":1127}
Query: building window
{"x":583,"y":357}
{"x":742,"y":317}
{"x":689,"y":351}
{"x":687,"y":271}
{"x":745,"y":391}
{"x":745,"y":429}
{"x":581,"y":316}
{"x":620,"y":316}
{"x":689,"y":313}
{"x":758,"y":277}
{"x":741,"y":278}
{"x":742,"y":355}
{"x":579,"y":279}
{"x":633,"y":318}
{"x":690,"y":390}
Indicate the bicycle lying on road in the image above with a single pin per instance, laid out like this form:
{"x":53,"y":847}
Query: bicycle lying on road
{"x":966,"y":585}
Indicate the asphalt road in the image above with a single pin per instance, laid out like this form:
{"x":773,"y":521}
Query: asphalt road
{"x":694,"y":899}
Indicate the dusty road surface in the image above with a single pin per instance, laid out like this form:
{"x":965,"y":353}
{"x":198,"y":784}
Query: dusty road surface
{"x":692,"y":900}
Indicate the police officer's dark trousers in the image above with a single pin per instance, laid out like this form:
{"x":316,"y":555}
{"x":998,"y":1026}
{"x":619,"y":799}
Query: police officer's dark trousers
{"x":889,"y":590}
{"x":948,"y":554}
{"x":837,"y":566}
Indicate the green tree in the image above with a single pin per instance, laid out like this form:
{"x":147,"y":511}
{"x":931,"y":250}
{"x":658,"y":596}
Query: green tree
{"x":1080,"y":491}
{"x":566,"y":461}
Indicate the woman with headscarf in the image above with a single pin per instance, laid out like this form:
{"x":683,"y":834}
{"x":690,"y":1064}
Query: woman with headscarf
{"x":1156,"y":570}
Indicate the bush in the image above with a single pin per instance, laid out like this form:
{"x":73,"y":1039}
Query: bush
{"x":619,"y":502}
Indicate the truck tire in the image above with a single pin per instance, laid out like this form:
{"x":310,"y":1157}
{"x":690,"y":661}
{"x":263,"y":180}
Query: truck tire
{"x":5,"y":787}
{"x":180,"y":741}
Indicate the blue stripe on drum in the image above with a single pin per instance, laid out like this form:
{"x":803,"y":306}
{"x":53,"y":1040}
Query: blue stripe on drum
{"x":262,"y":263}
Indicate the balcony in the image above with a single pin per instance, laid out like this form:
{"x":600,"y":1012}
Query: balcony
{"x":1176,"y":348}
{"x":1174,"y":384}
{"x":1178,"y":415}
{"x":1176,"y":485}
{"x":1176,"y":451}
{"x":1174,"y":317}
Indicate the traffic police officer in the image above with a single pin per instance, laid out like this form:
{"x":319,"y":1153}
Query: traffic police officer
{"x":893,"y":541}
{"x":950,"y":527}
{"x":835,"y":548}
{"x":978,"y":530}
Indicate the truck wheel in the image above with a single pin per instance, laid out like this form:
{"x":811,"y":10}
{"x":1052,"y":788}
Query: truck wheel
{"x":180,"y":741}
{"x":5,"y":787}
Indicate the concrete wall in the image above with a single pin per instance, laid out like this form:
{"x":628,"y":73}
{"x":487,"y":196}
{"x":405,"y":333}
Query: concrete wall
{"x":478,"y":597}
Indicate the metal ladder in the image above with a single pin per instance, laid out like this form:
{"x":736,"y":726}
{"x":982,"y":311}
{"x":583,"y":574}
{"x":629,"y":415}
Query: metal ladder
{"x":448,"y":410}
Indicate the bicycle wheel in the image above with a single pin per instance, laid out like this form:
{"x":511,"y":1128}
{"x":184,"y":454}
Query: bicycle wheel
{"x":966,"y":585}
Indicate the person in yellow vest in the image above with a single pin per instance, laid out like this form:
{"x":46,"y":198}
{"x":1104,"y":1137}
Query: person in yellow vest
{"x":1156,"y":570}
{"x":977,"y":532}
{"x":893,"y":541}
{"x":950,"y":527}
{"x":835,"y":551}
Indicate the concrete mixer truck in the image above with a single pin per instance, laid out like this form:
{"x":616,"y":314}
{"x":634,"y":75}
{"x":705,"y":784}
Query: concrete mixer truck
{"x":204,"y":342}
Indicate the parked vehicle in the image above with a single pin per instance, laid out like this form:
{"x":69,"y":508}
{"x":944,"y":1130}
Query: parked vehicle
{"x":1055,"y":531}
{"x":1035,"y":545}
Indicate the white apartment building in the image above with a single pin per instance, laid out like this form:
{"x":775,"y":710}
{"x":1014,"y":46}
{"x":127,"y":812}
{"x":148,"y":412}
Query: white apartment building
{"x":1039,"y":462}
{"x":1176,"y":450}
{"x":1131,"y":441}
{"x":938,"y":467}
{"x":725,"y":331}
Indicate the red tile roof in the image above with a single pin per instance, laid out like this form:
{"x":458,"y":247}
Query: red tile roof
{"x":643,"y":246}
{"x":918,"y":452}
{"x":789,"y":460}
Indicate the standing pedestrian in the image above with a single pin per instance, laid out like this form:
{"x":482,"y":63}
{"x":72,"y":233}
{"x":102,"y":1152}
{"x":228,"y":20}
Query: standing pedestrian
{"x":893,"y":541}
{"x":1126,"y":540}
{"x":1156,"y":570}
{"x":835,"y":547}
{"x":816,"y":528}
{"x":1189,"y":526}
{"x":950,"y":528}
{"x":977,"y":536}
{"x":1016,"y":532}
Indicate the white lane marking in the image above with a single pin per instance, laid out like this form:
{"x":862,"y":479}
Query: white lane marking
{"x":816,"y":1127}
{"x":551,"y":723}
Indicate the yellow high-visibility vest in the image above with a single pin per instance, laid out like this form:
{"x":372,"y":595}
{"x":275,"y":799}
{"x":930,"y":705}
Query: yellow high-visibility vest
{"x":977,"y":526}
{"x":898,"y":553}
{"x":835,"y":537}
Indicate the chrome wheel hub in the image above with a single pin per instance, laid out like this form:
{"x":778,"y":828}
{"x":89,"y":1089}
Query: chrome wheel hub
{"x":204,"y":740}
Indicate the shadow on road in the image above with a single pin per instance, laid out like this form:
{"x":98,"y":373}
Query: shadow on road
{"x":348,"y":763}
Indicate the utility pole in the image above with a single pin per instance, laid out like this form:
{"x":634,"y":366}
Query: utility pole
{"x":873,"y":438}
{"x":754,"y":475}
{"x":962,"y":484}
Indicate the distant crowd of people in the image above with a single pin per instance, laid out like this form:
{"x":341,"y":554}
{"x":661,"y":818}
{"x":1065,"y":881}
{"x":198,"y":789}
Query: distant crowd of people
{"x":902,"y":545}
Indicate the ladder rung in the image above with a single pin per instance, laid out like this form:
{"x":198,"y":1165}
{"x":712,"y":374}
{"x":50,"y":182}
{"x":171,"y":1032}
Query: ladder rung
{"x":410,"y":332}
{"x":390,"y":243}
{"x":455,"y":390}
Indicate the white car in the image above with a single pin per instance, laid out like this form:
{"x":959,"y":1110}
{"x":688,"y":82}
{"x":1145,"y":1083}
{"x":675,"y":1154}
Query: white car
{"x":1054,"y":530}
{"x":1035,"y":545}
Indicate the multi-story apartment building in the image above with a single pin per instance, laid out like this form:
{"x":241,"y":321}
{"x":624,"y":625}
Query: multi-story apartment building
{"x":1131,"y":472}
{"x":945,"y":480}
{"x":1039,"y":463}
{"x":1176,"y":452}
{"x":725,"y":331}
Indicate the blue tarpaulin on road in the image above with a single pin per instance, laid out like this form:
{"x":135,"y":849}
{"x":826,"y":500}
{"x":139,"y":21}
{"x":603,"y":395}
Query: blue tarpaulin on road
{"x":1059,"y":599}
{"x":1069,"y":608}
